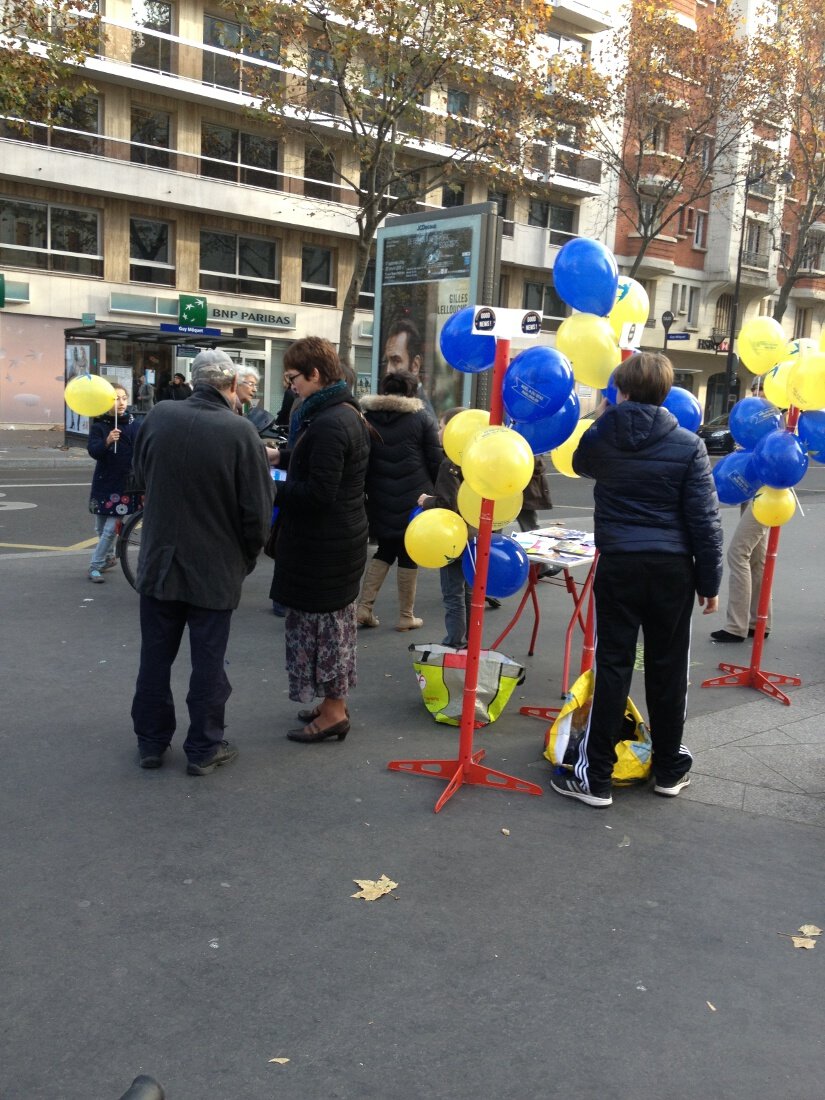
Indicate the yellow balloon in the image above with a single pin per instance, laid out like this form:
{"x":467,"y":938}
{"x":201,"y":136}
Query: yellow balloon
{"x":562,"y":457}
{"x":89,"y":395}
{"x":435,"y":537}
{"x":762,"y":344}
{"x":775,"y":383}
{"x":460,"y":430}
{"x":498,"y":463}
{"x":589,"y":344}
{"x":505,"y":509}
{"x":806,"y":382}
{"x":803,"y":346}
{"x":773,"y":507}
{"x":632,"y":305}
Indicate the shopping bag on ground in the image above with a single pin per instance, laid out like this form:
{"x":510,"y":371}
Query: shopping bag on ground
{"x":440,"y":672}
{"x":633,"y":748}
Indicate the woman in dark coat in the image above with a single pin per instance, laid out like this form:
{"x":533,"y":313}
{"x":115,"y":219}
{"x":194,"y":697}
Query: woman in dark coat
{"x":321,"y":546}
{"x":403,"y":465}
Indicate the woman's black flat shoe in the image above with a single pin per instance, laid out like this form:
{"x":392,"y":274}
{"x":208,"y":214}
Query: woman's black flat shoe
{"x":313,"y":732}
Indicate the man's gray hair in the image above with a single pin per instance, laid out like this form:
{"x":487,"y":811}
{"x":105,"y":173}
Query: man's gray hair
{"x":214,"y":367}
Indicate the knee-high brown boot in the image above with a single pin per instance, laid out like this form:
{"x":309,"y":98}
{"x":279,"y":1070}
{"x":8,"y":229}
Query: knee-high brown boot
{"x":370,"y":587}
{"x":407,"y":581}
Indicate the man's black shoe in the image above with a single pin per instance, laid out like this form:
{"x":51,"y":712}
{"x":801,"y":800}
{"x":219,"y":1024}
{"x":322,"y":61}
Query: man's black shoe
{"x":151,"y":758}
{"x":725,"y":636}
{"x":752,"y":633}
{"x":226,"y":753}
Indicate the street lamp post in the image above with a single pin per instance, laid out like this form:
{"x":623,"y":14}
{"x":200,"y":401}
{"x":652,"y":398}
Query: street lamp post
{"x":731,"y":362}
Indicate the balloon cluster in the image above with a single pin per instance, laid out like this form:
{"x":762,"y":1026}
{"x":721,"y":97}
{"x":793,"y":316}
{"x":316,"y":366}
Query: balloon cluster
{"x":773,"y":459}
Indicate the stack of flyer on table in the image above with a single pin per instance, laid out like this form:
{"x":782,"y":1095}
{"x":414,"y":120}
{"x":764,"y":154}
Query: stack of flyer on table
{"x":558,"y":545}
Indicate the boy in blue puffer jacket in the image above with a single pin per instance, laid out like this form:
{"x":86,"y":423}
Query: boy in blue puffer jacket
{"x":659,"y":538}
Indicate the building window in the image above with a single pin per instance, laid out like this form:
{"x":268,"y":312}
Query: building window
{"x":649,"y":286}
{"x":319,"y":172}
{"x":755,"y":252}
{"x":700,"y":231}
{"x":459,"y":129}
{"x":452,"y":194}
{"x":150,"y":252}
{"x":660,"y":135}
{"x":559,"y":219}
{"x":228,"y":154}
{"x":504,"y":206}
{"x":321,"y":94}
{"x":544,"y":298}
{"x":317,"y":287}
{"x":721,"y":319}
{"x":150,"y":137}
{"x":149,"y":49}
{"x":239,"y":265}
{"x":73,"y":126}
{"x":50,"y":238}
{"x":366,"y":299}
{"x":693,"y":307}
{"x":802,"y":323}
{"x":236,"y":38}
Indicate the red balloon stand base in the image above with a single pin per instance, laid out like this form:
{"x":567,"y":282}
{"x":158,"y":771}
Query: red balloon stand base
{"x":458,"y":772}
{"x":752,"y":676}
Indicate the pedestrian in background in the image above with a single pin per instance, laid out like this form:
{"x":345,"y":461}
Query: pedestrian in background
{"x":207,"y":513}
{"x":404,"y":462}
{"x":111,"y":442}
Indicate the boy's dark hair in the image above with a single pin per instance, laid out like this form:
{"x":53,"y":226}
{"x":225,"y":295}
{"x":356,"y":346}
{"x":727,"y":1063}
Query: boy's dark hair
{"x":645,"y":377}
{"x":401,"y":383}
{"x":447,"y":416}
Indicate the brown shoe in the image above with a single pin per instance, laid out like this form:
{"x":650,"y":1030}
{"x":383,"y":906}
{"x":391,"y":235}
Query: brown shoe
{"x":313,"y":732}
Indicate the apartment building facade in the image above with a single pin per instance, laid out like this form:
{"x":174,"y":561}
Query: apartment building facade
{"x":161,"y":185}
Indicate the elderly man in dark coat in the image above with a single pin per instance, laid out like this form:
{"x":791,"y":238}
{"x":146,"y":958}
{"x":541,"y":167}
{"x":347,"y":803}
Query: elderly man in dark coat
{"x":207,"y":512}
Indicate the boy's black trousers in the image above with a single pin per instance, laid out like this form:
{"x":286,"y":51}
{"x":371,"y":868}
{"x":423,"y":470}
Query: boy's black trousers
{"x":654,"y":592}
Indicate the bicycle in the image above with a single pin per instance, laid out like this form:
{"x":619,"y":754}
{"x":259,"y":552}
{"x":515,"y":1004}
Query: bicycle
{"x":127,"y":547}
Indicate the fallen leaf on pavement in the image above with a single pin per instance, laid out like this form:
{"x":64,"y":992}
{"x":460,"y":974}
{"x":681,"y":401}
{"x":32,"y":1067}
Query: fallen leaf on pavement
{"x":506,"y":832}
{"x":710,"y":1006}
{"x":809,"y":930}
{"x":373,"y":890}
{"x":280,"y":1061}
{"x":803,"y":941}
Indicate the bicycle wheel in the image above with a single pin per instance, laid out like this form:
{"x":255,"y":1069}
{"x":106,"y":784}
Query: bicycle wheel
{"x":128,"y":546}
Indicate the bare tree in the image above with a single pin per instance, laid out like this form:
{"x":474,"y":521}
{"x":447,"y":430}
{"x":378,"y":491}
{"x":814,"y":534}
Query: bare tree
{"x":401,"y":98}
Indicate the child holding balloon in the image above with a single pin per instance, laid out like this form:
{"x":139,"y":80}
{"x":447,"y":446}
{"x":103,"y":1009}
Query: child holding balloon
{"x":455,"y":592}
{"x":111,"y":438}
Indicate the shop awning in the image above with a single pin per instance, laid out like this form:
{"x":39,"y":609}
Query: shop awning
{"x":148,"y":334}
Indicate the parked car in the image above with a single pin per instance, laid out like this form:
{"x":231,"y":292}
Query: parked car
{"x":716,"y":435}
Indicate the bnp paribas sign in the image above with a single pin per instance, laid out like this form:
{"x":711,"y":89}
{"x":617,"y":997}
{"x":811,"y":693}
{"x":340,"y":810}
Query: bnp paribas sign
{"x":192,"y":310}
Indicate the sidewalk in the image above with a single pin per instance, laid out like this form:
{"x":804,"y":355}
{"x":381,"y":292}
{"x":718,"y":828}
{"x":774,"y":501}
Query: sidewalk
{"x":40,"y":448}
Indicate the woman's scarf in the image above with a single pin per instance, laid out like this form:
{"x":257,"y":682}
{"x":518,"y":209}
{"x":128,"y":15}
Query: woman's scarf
{"x":316,"y":401}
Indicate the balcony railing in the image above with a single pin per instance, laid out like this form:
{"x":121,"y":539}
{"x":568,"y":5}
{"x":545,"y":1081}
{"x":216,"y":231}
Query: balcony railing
{"x":756,"y":259}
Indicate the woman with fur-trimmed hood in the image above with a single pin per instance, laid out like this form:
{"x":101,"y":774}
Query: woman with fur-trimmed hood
{"x":402,"y":466}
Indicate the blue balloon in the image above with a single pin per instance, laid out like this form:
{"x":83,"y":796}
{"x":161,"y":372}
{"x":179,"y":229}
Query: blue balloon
{"x":751,"y":419}
{"x":778,"y":460}
{"x":811,"y":431}
{"x":735,"y":478}
{"x":507,"y":570}
{"x":610,"y":391}
{"x":461,"y":348}
{"x":586,"y":276}
{"x":684,"y":407}
{"x":537,"y":383}
{"x":545,"y":434}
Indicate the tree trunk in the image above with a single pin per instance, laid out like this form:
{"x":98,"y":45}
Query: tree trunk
{"x":362,"y":259}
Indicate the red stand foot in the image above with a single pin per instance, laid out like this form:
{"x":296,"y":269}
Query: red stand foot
{"x":741,"y":676}
{"x":458,"y":773}
{"x":549,"y":714}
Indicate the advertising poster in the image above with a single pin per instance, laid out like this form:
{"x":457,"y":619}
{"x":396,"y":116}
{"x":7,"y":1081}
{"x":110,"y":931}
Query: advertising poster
{"x":427,"y":270}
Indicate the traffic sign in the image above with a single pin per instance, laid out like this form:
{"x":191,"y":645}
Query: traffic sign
{"x":678,"y":336}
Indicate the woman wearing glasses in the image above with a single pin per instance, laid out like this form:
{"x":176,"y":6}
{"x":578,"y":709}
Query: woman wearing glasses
{"x":321,"y":547}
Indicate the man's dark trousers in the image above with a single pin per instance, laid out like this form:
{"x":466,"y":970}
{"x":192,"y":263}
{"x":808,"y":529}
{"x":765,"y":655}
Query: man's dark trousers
{"x":654,"y":592}
{"x":162,"y":624}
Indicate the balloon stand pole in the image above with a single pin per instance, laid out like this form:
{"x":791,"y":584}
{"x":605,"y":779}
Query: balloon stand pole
{"x":468,"y":769}
{"x":752,"y":675}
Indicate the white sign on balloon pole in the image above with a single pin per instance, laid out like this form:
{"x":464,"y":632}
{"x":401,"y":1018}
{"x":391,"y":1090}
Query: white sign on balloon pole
{"x":506,"y":323}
